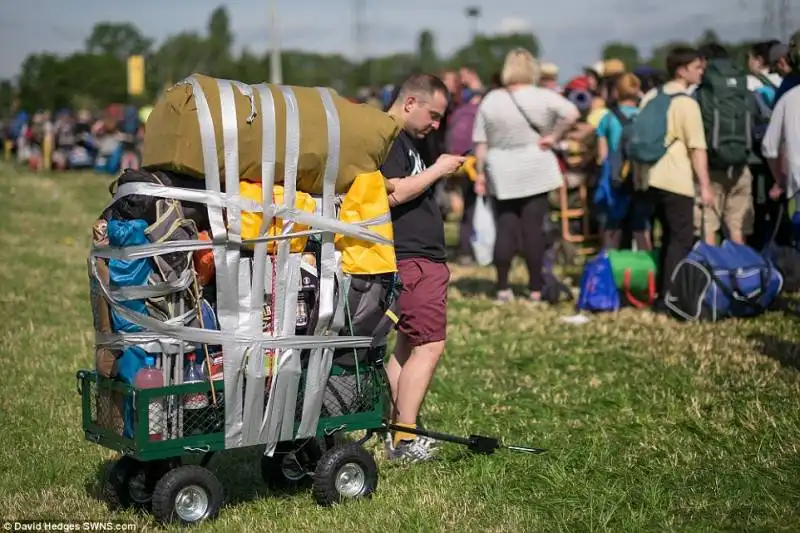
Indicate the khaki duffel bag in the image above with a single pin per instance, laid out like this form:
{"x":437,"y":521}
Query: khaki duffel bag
{"x":172,"y":135}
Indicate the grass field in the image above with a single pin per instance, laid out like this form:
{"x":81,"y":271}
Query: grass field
{"x":651,"y":425}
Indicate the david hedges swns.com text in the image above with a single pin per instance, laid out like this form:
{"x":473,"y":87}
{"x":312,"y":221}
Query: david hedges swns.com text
{"x":43,"y":525}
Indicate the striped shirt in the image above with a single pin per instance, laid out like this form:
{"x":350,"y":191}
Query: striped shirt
{"x":515,"y":165}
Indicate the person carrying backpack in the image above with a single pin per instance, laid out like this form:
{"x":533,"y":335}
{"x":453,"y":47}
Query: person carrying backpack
{"x":625,"y":208}
{"x":763,"y":86}
{"x":726,"y":106}
{"x":668,"y":148}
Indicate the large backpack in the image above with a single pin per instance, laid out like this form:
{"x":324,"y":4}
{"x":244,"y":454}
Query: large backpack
{"x":726,"y":107}
{"x":647,"y":142}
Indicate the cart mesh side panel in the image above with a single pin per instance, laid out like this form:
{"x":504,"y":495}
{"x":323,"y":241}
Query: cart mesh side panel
{"x":183,"y":411}
{"x":171,"y":415}
{"x":350,"y":393}
{"x":106,"y":407}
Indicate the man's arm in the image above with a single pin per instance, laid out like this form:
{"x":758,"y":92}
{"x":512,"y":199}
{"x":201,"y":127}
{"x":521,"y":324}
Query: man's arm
{"x":410,"y":187}
{"x":772,"y":145}
{"x":700,"y":166}
{"x":695,"y":138}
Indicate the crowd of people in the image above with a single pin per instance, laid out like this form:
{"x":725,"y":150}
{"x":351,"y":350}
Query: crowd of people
{"x":694,"y":148}
{"x":106,"y":141}
{"x":532,"y":136}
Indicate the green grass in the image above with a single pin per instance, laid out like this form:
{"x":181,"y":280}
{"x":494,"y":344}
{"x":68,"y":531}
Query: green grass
{"x":651,"y":425}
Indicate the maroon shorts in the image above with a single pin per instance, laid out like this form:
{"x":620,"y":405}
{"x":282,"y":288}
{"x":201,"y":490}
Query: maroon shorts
{"x":423,"y":300}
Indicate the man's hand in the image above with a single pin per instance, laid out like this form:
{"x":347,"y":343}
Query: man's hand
{"x":776,"y":192}
{"x":448,"y":164}
{"x":480,"y":184}
{"x":547,"y":142}
{"x":707,"y":196}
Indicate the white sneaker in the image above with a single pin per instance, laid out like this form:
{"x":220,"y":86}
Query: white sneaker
{"x":411,"y":451}
{"x":504,"y":297}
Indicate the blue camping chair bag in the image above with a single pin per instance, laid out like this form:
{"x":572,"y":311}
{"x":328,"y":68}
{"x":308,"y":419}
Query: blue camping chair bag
{"x":717,"y":282}
{"x":598,"y":291}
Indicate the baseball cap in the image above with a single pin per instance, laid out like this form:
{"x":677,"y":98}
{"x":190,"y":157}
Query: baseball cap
{"x":612,"y":67}
{"x":597,"y":68}
{"x":549,"y":69}
{"x":776,"y":52}
{"x":580,"y":83}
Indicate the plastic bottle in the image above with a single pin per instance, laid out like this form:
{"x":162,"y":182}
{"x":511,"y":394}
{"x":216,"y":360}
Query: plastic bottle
{"x":195,"y":403}
{"x":150,"y":377}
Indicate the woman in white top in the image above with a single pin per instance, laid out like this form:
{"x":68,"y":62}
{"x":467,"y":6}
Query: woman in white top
{"x":515,"y":130}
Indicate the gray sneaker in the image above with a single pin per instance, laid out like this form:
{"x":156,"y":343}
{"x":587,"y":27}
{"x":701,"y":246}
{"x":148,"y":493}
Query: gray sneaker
{"x":411,"y":451}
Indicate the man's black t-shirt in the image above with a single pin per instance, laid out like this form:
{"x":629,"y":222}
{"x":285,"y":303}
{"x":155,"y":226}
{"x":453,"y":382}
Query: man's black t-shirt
{"x":418,"y":227}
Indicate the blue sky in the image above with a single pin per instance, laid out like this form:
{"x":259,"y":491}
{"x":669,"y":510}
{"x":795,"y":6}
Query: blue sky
{"x":571,"y":32}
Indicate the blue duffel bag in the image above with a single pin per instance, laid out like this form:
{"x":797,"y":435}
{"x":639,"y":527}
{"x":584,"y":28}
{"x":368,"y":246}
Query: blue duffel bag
{"x":717,"y":282}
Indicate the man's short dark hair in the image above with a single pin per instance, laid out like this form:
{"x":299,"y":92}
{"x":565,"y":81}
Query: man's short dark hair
{"x":761,"y":49}
{"x":713,"y":51}
{"x":680,"y":56}
{"x":426,"y":84}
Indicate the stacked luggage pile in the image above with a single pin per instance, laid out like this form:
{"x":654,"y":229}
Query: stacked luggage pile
{"x":242,"y":285}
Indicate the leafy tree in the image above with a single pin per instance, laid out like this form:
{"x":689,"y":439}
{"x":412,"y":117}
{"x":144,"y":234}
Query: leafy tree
{"x":179,"y":56}
{"x":486,"y":54}
{"x":97,"y":76}
{"x":426,"y":52}
{"x":6,"y":97}
{"x":119,"y":40}
{"x":219,"y":43}
{"x":627,"y":53}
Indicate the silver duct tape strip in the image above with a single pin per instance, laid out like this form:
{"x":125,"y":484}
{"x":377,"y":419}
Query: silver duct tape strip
{"x":283,"y":390}
{"x":319,"y":363}
{"x":253,"y":408}
{"x":225,"y":280}
{"x":154,"y":291}
{"x":247,"y":90}
{"x":339,"y":317}
{"x":230,"y":308}
{"x":300,"y":342}
{"x":287,"y":212}
{"x":171,"y":331}
{"x":142,"y":251}
{"x":289,"y":367}
{"x":217,"y":199}
{"x":208,"y":141}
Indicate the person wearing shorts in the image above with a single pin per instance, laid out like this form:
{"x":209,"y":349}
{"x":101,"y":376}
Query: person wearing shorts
{"x":733,"y":206}
{"x":421,"y":259}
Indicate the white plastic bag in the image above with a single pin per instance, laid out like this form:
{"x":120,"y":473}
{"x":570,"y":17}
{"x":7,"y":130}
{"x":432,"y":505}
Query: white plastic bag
{"x":483,"y":231}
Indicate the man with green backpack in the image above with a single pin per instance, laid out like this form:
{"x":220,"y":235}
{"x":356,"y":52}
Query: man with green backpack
{"x":667,"y":145}
{"x":727,"y":108}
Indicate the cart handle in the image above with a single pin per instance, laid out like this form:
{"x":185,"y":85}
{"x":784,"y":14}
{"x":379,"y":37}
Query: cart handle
{"x":79,"y":377}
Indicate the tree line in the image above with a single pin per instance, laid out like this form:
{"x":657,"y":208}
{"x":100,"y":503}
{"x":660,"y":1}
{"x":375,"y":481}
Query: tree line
{"x":97,"y":75}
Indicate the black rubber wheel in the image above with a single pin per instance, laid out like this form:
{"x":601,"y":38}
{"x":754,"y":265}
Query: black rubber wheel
{"x":188,"y":495}
{"x":290,"y":464}
{"x":345,"y":472}
{"x":131,"y":482}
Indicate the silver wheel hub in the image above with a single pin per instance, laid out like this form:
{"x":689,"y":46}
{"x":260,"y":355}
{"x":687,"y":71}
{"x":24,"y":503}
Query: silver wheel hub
{"x":350,"y":480}
{"x":191,"y":503}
